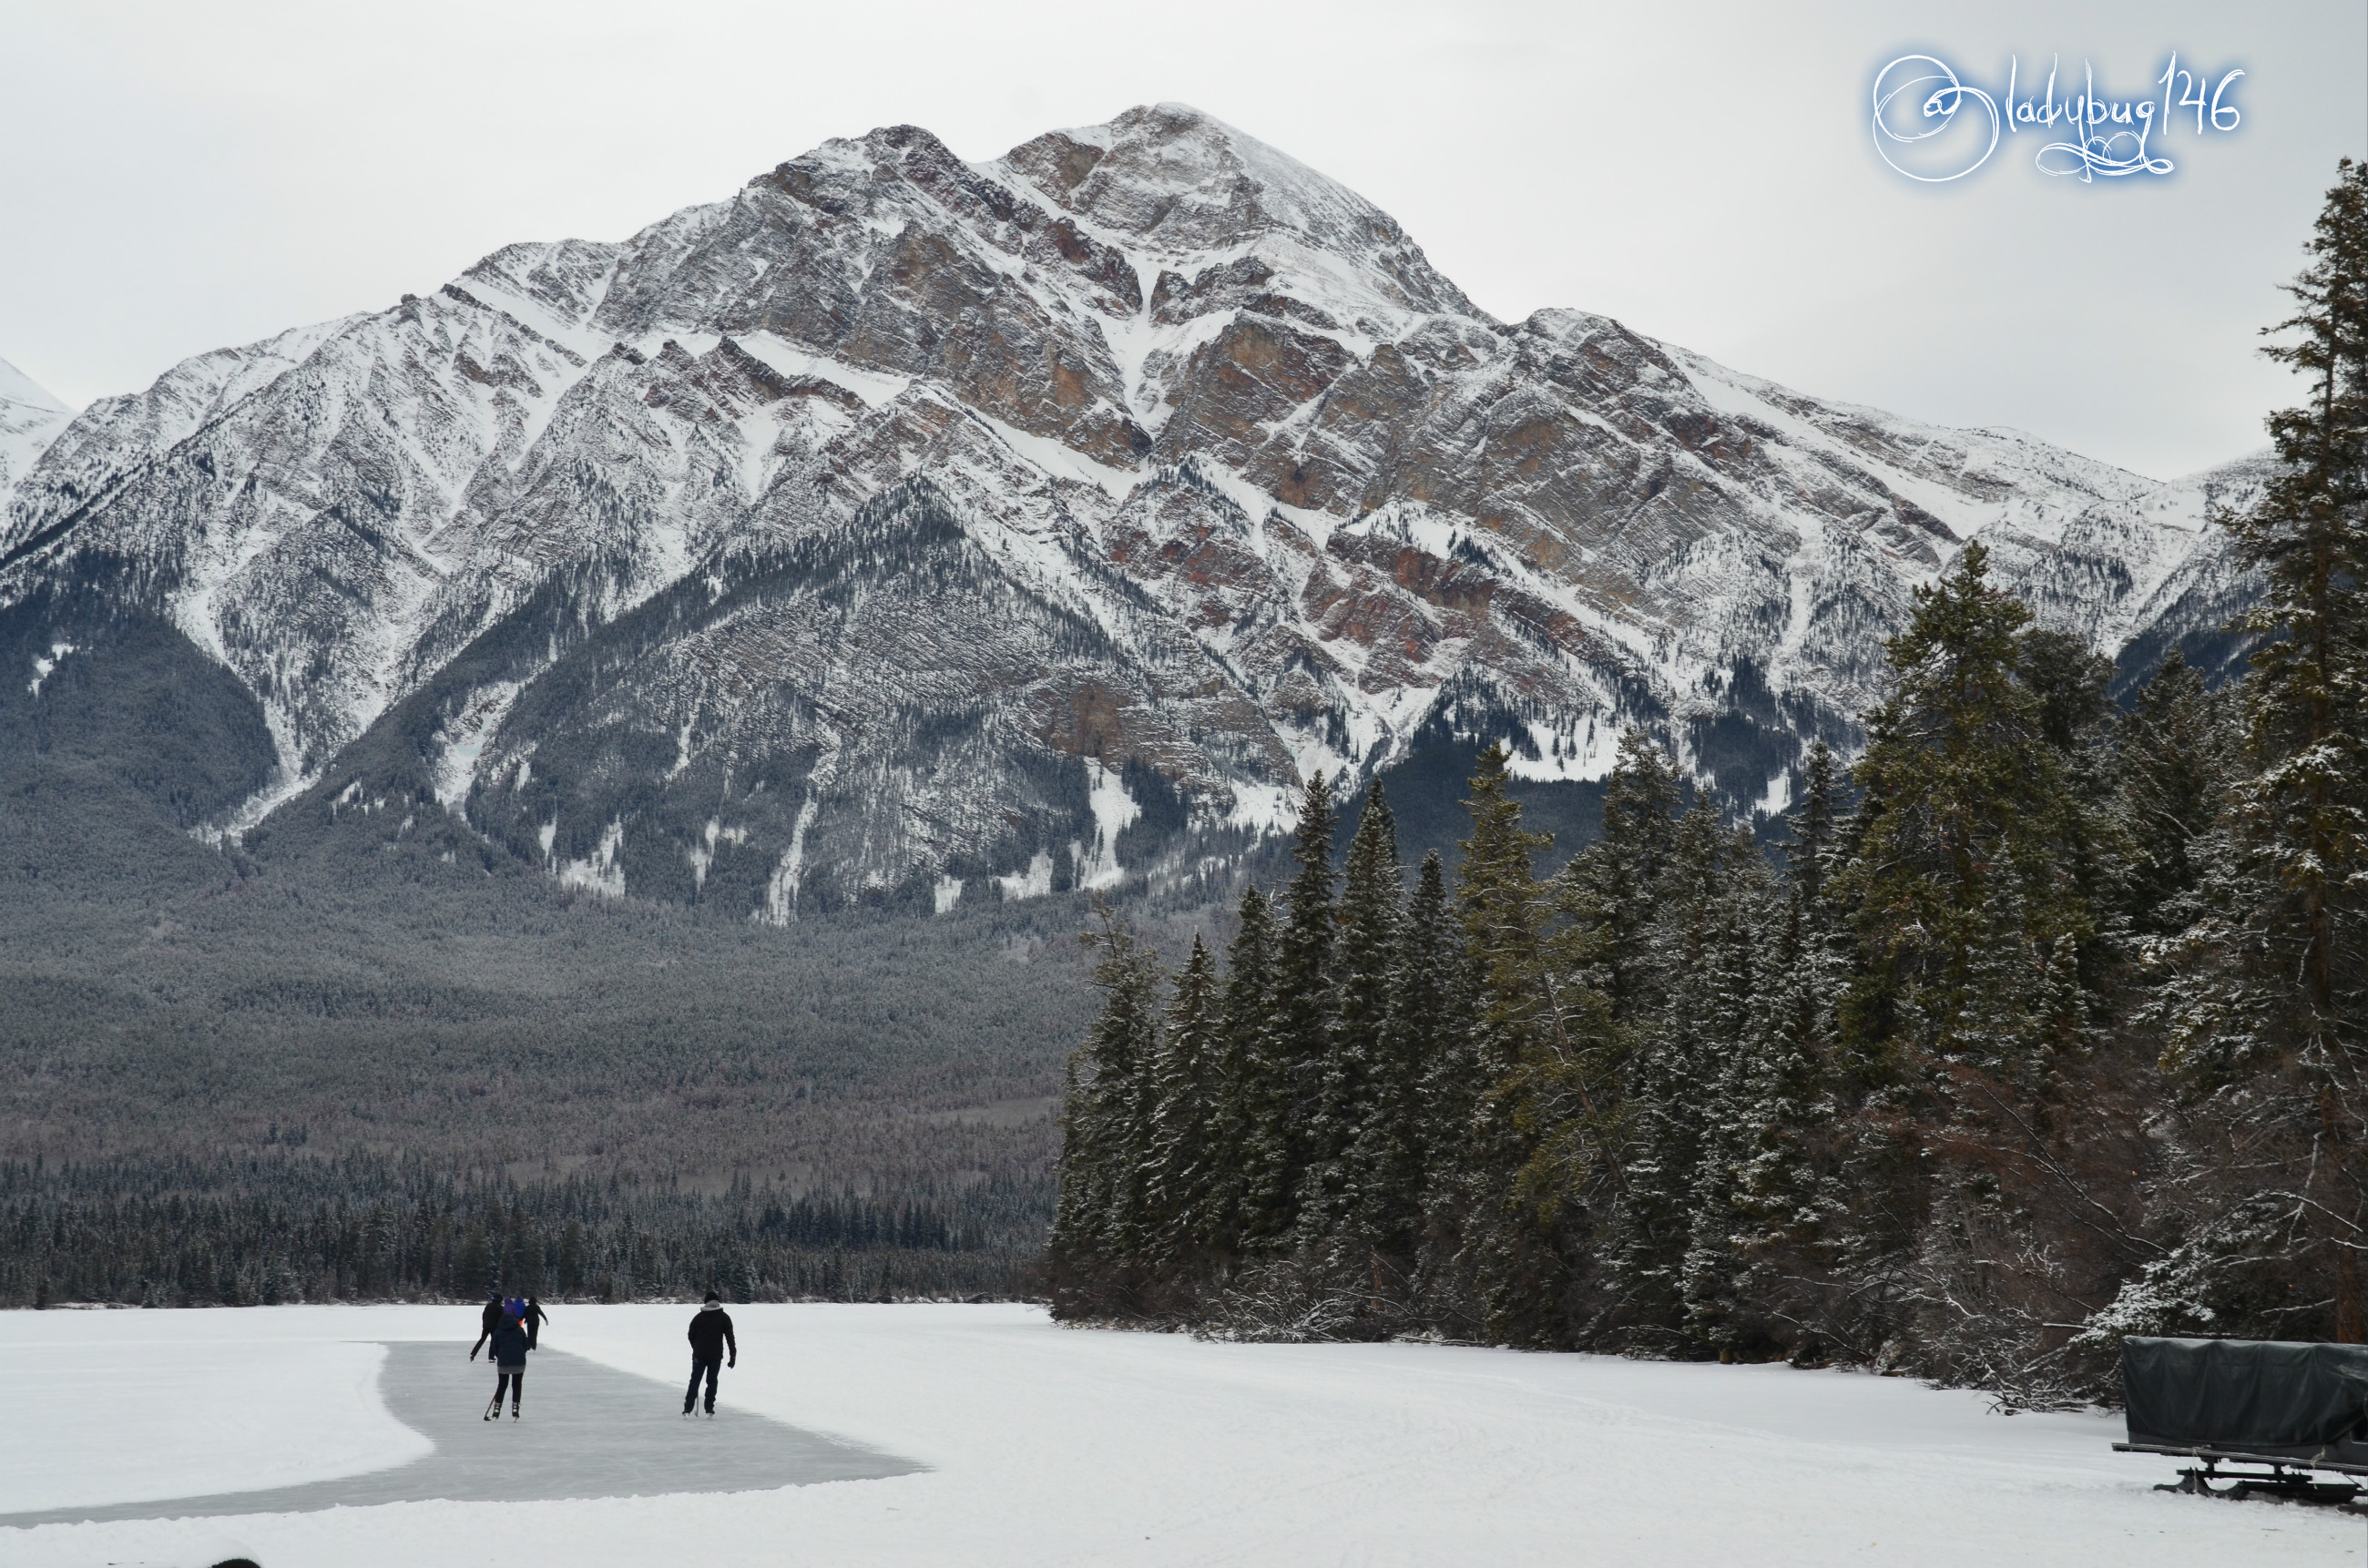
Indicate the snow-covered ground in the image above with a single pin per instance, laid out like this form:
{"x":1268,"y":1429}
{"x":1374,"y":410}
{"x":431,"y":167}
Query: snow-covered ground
{"x":1047,"y":1446}
{"x":109,"y":1408}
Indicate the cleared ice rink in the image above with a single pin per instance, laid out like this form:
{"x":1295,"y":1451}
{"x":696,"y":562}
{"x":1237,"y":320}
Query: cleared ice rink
{"x":1020,"y":1443}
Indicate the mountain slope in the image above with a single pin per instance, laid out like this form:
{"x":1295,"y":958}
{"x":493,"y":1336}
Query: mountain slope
{"x":31,"y":418}
{"x":900,"y":527}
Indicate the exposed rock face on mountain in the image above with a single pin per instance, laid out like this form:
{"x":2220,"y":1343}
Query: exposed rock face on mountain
{"x":926,"y":528}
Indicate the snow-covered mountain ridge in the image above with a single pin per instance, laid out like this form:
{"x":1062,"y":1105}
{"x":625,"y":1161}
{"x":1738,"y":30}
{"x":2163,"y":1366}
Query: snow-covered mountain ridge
{"x":31,"y":418}
{"x":904,"y":524}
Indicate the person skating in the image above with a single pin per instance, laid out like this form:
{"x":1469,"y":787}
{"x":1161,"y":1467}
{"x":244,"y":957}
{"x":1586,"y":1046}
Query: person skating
{"x":487,"y":1320}
{"x":535,"y":1318}
{"x":512,"y":1343}
{"x":711,"y":1332}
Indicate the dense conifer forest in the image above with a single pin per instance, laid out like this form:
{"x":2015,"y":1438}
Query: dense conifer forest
{"x":2051,"y":1025}
{"x":287,"y":1227}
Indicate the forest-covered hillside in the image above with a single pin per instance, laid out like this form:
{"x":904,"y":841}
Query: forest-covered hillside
{"x":261,"y":1031}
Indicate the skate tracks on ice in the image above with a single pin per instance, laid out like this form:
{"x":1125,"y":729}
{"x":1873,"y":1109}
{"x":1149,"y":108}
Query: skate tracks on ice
{"x":588,"y":1431}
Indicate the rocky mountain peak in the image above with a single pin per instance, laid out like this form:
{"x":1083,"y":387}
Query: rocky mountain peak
{"x":904,"y":528}
{"x":1180,"y":184}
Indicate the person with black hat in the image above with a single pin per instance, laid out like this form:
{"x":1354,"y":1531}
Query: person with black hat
{"x":710,"y":1333}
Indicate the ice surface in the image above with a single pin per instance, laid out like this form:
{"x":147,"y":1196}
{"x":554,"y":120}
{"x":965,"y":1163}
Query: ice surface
{"x":1050,"y":1446}
{"x":104,"y":1410}
{"x":596,"y":1432}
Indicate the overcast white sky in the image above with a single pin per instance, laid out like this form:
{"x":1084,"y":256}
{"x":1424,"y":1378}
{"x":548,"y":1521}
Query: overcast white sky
{"x":176,"y":177}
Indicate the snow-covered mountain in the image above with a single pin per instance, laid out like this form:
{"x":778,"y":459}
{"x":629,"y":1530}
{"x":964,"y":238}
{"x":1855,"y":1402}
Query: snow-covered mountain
{"x":31,"y":419}
{"x":901,"y":523}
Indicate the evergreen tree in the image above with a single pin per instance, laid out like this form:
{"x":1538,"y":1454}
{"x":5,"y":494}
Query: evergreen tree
{"x":1372,"y":915}
{"x":2305,"y":810}
{"x":2075,"y":719}
{"x":1303,"y":1010}
{"x":1716,"y":1277}
{"x":1185,"y":1102}
{"x":1814,"y":827}
{"x":1665,"y":1080}
{"x":1611,"y":891}
{"x":1965,"y":893}
{"x":1452,"y":1089}
{"x":1534,"y":1142}
{"x":1420,"y":1072}
{"x":1250,"y":1087}
{"x":1106,"y":1122}
{"x":1967,"y":813}
{"x":2171,"y":767}
{"x":2269,"y":1015}
{"x":1684,"y":1088}
{"x":1782,"y":1184}
{"x":2000,"y":1027}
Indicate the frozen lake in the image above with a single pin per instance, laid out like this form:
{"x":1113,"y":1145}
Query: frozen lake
{"x":588,"y":1431}
{"x":986,"y":1436}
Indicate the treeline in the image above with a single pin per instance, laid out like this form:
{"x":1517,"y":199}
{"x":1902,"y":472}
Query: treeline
{"x":361,"y":1228}
{"x":2052,"y":1026}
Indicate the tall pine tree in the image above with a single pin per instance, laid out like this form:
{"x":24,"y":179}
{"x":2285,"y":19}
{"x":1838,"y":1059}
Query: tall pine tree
{"x":1302,"y":1015}
{"x":1186,"y":1095}
{"x":1964,"y":892}
{"x":1106,"y":1121}
{"x":2270,"y":1023}
{"x":1419,"y":1064}
{"x":1727,"y":995}
{"x":2172,"y":768}
{"x":1530,"y":1158}
{"x":1784,"y":1190}
{"x":1611,"y":891}
{"x":1968,"y":815}
{"x":2305,"y":810}
{"x":1372,"y":914}
{"x":1250,"y":1098}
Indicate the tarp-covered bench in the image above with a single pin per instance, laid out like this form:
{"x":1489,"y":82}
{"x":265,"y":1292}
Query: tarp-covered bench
{"x":2293,"y":1408}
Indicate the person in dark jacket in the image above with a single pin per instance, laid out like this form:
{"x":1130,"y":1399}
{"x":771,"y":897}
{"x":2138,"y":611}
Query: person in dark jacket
{"x":487,"y":1320}
{"x":535,"y":1319}
{"x":512,"y":1343}
{"x":711,"y":1332}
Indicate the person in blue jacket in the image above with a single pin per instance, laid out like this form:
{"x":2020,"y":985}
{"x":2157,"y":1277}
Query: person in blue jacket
{"x":711,"y":1332}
